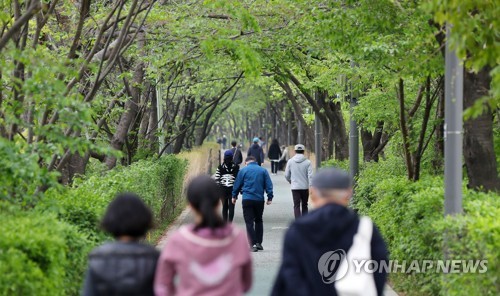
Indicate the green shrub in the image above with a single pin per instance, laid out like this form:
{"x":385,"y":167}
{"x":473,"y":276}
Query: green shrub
{"x":39,"y":255}
{"x":20,"y":174}
{"x":474,"y":236}
{"x":44,"y":251}
{"x":158,"y":182}
{"x":410,"y":217}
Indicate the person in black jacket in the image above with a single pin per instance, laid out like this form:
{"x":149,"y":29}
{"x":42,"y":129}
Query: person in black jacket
{"x":238,"y":157}
{"x":329,"y":228}
{"x":125,"y":266}
{"x":274,"y":155}
{"x":225,"y":176}
{"x":256,"y":151}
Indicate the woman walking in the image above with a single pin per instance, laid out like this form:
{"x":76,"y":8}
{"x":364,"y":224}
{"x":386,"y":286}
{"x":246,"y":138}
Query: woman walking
{"x":274,"y":154}
{"x":126,"y":266}
{"x":224,"y":176}
{"x":209,"y":257}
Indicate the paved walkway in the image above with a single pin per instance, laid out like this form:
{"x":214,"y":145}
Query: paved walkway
{"x":277,"y":217}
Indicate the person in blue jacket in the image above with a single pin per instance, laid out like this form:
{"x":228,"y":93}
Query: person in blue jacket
{"x":251,"y":182}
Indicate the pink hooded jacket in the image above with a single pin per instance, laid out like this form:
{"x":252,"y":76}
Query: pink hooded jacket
{"x":206,"y":262}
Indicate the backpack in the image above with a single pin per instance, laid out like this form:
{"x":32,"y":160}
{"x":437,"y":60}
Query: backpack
{"x":351,"y":283}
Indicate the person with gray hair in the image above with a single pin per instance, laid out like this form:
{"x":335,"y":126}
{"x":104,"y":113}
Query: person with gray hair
{"x":316,"y":244}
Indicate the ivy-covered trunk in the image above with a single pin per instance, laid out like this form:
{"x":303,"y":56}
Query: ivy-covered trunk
{"x":479,"y":152}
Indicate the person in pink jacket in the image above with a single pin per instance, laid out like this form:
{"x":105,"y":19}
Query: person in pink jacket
{"x":209,"y":257}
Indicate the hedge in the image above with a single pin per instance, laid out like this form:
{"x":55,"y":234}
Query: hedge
{"x":44,"y":251}
{"x":410,"y":217}
{"x":39,"y":254}
{"x":157,"y":182}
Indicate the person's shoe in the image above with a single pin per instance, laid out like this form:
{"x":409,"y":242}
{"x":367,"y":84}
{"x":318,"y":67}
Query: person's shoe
{"x":259,"y":247}
{"x":254,"y":248}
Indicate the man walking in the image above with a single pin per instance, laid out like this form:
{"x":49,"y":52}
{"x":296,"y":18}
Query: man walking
{"x":256,"y":151}
{"x":238,"y":157}
{"x":298,"y":173}
{"x":316,"y":245}
{"x":252,"y":181}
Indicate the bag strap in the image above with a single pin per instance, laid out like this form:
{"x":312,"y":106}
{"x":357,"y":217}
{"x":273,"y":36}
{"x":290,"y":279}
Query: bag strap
{"x":234,"y":149}
{"x":365,"y":228}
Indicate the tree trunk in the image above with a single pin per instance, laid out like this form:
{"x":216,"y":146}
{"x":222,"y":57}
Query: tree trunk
{"x":189,"y":109}
{"x":131,"y":109}
{"x":437,"y":162}
{"x":202,"y":129}
{"x":76,"y":165}
{"x":372,"y":142}
{"x":340,"y":133}
{"x":153,"y":124}
{"x":404,"y":129}
{"x":479,"y":152}
{"x":144,"y":124}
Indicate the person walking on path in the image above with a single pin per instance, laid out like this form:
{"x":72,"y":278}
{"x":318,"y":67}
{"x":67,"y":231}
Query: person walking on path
{"x":225,"y":176}
{"x":331,"y":228}
{"x":274,"y":155}
{"x":298,"y":173}
{"x":209,"y":257}
{"x":252,"y":181}
{"x":256,"y":151}
{"x":284,"y":158}
{"x":125,"y":266}
{"x":224,"y":142}
{"x":238,"y":156}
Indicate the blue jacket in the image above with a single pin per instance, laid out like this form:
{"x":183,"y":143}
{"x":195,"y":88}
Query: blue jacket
{"x":328,"y":228}
{"x":252,"y":181}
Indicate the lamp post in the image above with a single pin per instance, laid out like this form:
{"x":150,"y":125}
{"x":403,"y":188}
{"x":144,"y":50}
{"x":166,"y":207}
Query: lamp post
{"x":453,"y":136}
{"x":353,"y":132}
{"x":160,"y":115}
{"x":317,"y":135}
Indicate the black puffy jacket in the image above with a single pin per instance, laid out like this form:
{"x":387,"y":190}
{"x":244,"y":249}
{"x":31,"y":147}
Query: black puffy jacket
{"x":121,"y":269}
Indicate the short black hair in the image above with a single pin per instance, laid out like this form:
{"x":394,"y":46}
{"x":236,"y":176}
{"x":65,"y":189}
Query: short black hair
{"x":127,"y":215}
{"x":250,"y":158}
{"x":233,"y":143}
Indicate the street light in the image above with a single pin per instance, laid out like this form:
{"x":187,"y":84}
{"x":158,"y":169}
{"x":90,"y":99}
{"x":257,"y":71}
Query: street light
{"x":453,"y":136}
{"x":353,"y":131}
{"x":317,"y":134}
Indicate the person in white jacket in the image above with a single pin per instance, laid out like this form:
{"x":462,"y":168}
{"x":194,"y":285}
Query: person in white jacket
{"x":284,"y":158}
{"x":299,"y":173}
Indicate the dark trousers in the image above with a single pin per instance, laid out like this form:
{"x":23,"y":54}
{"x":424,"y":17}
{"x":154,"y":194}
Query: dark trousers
{"x":274,"y":167}
{"x":227,"y":206}
{"x":300,"y":196}
{"x":282,"y":165}
{"x":252,"y":212}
